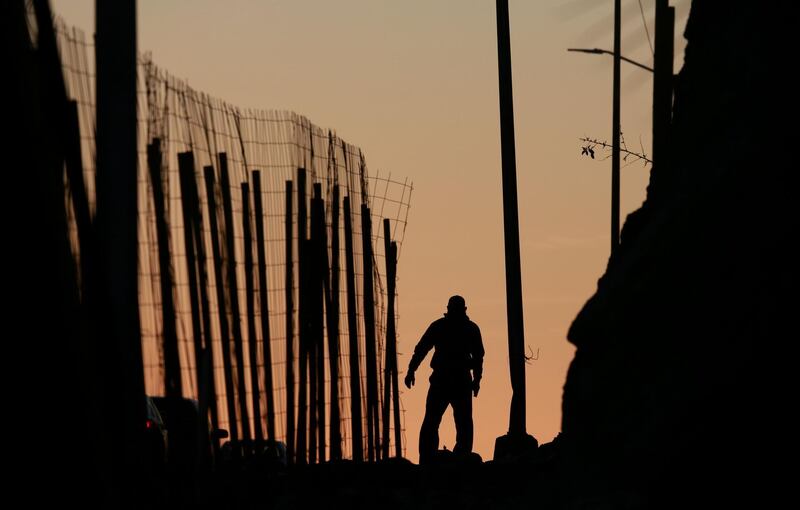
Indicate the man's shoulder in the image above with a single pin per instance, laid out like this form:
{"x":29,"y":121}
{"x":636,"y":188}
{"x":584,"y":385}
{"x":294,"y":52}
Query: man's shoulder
{"x":438,"y":323}
{"x":443,"y":323}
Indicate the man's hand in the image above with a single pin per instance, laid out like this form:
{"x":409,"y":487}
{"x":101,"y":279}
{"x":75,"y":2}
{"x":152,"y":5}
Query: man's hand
{"x":409,"y":380}
{"x":476,"y":387}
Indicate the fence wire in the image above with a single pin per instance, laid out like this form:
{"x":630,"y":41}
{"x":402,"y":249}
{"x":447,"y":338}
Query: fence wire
{"x":276,"y":143}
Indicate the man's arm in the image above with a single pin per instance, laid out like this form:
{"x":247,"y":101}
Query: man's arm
{"x":476,"y":353}
{"x":424,"y":346}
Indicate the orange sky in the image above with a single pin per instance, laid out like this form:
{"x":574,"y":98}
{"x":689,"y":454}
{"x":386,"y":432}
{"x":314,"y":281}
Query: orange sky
{"x":414,"y":84}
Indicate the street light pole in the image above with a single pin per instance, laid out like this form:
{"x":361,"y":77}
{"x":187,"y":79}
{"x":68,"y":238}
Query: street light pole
{"x":516,"y":335}
{"x":615,"y":127}
{"x":662,"y":80}
{"x":517,"y":440}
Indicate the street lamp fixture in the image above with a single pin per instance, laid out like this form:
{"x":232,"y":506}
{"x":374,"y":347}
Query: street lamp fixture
{"x":599,"y":51}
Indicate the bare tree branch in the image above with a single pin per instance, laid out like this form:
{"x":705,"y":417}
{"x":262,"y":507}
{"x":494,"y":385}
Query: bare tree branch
{"x":590,"y":144}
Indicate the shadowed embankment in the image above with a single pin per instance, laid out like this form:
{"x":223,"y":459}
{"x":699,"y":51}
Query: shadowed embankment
{"x":681,"y":390}
{"x":397,"y":483}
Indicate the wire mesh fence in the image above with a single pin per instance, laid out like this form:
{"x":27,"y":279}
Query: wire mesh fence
{"x":262,"y":149}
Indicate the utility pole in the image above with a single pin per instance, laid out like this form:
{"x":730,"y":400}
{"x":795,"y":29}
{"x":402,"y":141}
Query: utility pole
{"x":615,"y":130}
{"x":662,"y":79}
{"x":517,"y":438}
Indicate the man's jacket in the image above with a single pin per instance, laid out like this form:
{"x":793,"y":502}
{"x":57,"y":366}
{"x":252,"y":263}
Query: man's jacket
{"x":459,"y":349}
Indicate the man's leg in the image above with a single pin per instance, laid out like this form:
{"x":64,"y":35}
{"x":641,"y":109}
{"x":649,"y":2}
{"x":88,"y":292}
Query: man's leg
{"x":462,"y":414}
{"x":435,"y":406}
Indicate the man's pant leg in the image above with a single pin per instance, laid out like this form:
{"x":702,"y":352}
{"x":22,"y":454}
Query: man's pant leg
{"x":461,"y":400}
{"x":435,"y":406}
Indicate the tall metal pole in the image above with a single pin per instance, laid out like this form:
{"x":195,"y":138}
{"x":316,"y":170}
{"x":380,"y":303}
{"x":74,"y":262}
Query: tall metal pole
{"x":615,"y":131}
{"x":516,"y":333}
{"x":662,"y":79}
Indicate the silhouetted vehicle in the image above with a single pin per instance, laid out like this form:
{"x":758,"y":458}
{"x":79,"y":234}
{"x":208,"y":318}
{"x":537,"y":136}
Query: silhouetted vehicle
{"x":156,"y":437}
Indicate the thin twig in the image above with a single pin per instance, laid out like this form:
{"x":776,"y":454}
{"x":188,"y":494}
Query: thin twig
{"x":592,"y":143}
{"x":531,"y":357}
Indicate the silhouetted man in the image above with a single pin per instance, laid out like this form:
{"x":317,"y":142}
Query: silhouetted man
{"x":457,"y":369}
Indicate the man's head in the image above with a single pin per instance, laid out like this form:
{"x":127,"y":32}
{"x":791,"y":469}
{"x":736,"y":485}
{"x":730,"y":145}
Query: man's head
{"x":456,"y":306}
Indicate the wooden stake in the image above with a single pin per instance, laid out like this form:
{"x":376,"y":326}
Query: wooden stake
{"x":252,"y":340}
{"x":373,"y":417}
{"x":233,"y":427}
{"x":263,"y":291}
{"x":319,"y":274}
{"x":331,"y":284}
{"x":202,"y":367}
{"x":398,"y":446}
{"x":172,"y":362}
{"x":302,"y":410}
{"x":390,"y":394}
{"x":289,"y":298}
{"x":352,"y":328}
{"x":233,"y":293}
{"x":73,"y":162}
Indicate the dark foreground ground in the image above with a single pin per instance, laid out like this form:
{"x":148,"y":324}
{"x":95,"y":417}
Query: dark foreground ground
{"x":391,"y":484}
{"x":395,"y":483}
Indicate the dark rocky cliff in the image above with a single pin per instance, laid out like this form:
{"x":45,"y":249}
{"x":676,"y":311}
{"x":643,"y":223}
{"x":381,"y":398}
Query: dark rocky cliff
{"x":682,"y":387}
